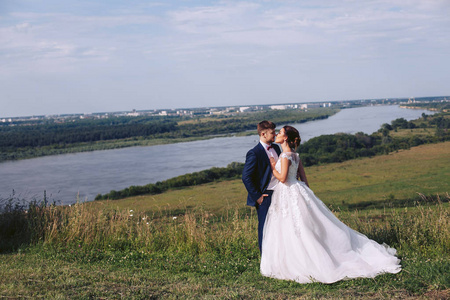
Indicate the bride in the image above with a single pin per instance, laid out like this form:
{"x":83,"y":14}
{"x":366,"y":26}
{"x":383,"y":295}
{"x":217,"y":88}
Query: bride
{"x":303,"y":240}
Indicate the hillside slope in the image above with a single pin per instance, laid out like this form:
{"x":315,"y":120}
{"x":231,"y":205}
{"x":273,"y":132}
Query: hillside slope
{"x":424,"y":169}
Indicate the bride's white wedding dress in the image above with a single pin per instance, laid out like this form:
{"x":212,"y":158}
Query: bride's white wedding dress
{"x":304,"y":241}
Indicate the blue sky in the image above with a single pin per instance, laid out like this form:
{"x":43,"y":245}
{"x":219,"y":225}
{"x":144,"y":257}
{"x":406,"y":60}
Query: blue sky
{"x":59,"y":56}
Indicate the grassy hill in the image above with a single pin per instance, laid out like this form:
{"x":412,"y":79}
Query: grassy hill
{"x":382,"y":179}
{"x":200,"y":242}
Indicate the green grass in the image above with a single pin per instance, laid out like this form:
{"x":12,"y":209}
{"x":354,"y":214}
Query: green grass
{"x":35,"y":276}
{"x":197,"y":255}
{"x":135,"y":248}
{"x":412,"y":132}
{"x":424,"y":169}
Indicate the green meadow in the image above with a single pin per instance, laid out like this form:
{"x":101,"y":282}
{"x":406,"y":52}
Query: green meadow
{"x":201,"y":242}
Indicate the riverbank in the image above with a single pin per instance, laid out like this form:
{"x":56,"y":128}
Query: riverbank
{"x":24,"y":142}
{"x":399,"y":135}
{"x":69,"y":177}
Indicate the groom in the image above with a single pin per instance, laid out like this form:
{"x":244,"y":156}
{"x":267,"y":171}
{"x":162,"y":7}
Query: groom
{"x":257,"y":174}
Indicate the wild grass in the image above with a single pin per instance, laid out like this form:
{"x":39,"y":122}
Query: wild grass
{"x":412,"y":132}
{"x":423,"y":227}
{"x":199,"y":244}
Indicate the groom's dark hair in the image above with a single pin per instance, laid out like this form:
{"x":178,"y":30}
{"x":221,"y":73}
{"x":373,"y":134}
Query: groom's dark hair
{"x":264,"y":125}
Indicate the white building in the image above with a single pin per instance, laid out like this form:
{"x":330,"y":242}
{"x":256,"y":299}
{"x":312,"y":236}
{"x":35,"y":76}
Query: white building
{"x":184,"y":112}
{"x":278,"y":107}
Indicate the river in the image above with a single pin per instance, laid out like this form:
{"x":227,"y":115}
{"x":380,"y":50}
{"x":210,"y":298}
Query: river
{"x":86,"y":174}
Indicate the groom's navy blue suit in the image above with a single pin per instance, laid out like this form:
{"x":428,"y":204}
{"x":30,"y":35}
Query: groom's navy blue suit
{"x":256,"y":177}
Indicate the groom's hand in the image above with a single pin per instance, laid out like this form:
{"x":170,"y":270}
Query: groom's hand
{"x":260,"y":200}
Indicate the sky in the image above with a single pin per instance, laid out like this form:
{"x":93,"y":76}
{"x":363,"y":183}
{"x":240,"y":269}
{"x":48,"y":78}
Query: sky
{"x":60,"y":56}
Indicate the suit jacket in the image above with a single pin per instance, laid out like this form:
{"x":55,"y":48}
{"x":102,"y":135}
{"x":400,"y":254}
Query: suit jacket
{"x":257,"y":172}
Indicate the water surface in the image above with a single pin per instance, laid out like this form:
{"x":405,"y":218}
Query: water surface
{"x":65,"y":176}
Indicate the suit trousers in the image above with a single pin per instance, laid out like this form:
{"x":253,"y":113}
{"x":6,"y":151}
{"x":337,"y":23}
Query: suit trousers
{"x":262,"y":213}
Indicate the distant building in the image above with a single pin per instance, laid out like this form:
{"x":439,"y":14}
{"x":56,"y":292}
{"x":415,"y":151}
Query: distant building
{"x":133,"y":113}
{"x":215,"y":111}
{"x":278,"y":107}
{"x":244,"y":108}
{"x":184,"y":112}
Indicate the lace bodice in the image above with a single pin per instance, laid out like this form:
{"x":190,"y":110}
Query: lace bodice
{"x":293,"y":166}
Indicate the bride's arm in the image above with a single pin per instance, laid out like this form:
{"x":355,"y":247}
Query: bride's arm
{"x":281,"y":176}
{"x":301,"y":173}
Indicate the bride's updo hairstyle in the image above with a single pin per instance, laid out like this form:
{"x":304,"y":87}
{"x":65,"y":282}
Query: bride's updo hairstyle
{"x":293,"y":137}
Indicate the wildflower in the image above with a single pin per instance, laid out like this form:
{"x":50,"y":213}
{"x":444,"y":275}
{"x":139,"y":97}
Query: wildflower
{"x":174,"y":218}
{"x":131,"y":215}
{"x":147,"y":223}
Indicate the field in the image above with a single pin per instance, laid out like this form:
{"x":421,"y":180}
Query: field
{"x":200,"y":242}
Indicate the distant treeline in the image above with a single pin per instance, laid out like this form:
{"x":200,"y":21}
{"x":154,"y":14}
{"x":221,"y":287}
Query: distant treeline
{"x":233,"y":170}
{"x":79,"y":132}
{"x":41,"y":139}
{"x":441,"y":106}
{"x":318,"y":150}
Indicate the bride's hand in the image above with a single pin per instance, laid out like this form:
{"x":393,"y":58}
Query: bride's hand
{"x":272,"y":163}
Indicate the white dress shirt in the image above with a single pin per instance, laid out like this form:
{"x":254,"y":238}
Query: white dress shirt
{"x":270,"y":153}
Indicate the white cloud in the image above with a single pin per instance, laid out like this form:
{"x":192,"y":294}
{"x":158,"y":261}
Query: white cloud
{"x":367,"y":22}
{"x":181,"y":50}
